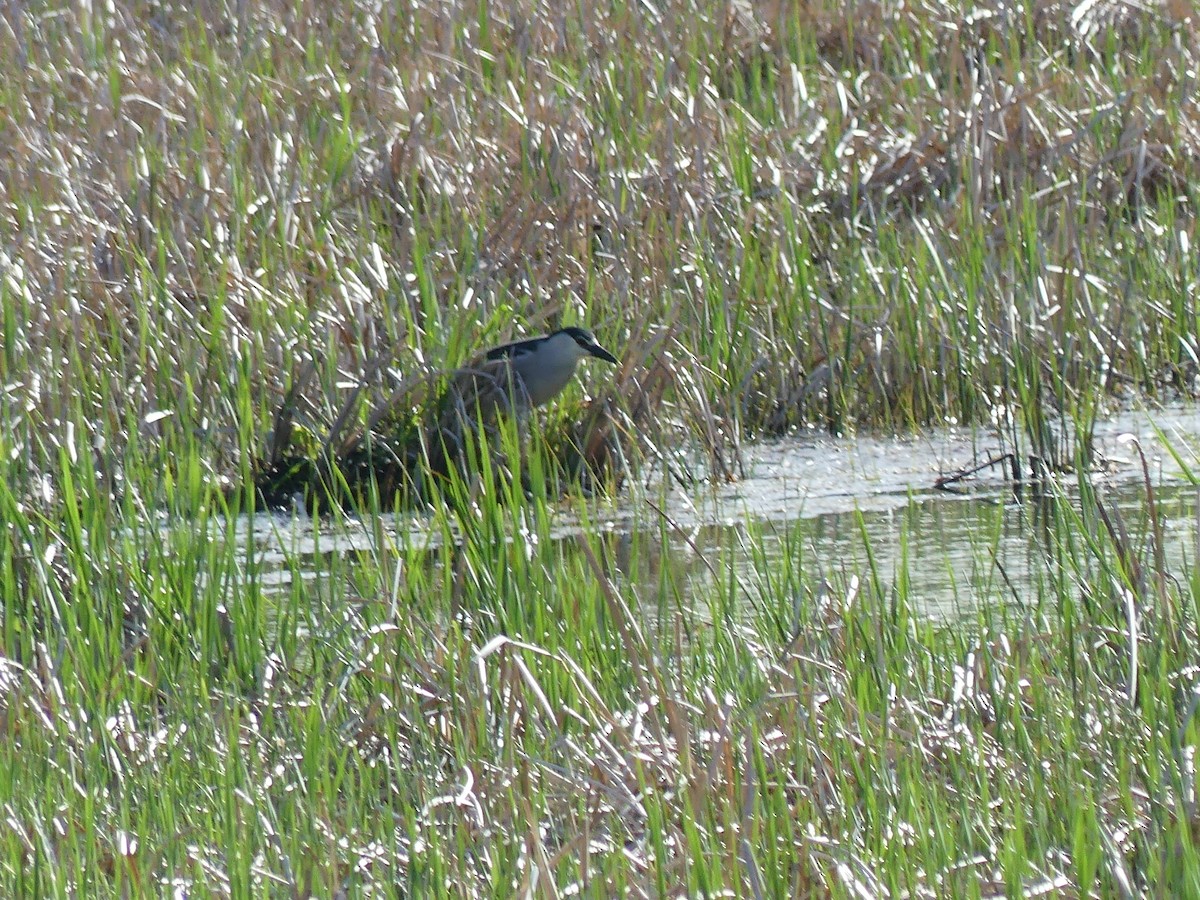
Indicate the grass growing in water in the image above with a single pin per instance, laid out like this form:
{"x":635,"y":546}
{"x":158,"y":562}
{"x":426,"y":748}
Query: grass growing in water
{"x":899,"y":215}
{"x":502,"y":712}
{"x":889,"y":216}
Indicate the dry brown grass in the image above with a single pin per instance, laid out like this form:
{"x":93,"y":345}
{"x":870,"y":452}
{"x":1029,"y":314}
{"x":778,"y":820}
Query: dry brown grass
{"x":864,"y":214}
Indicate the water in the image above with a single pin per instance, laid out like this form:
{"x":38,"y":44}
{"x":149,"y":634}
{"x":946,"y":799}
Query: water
{"x":850,"y":509}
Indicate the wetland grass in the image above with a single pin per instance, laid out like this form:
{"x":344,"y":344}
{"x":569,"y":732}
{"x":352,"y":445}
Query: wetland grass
{"x":504,"y":712}
{"x":236,"y":234}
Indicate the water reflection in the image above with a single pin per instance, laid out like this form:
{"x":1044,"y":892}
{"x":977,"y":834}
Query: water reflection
{"x":840,"y":509}
{"x":952,"y":555}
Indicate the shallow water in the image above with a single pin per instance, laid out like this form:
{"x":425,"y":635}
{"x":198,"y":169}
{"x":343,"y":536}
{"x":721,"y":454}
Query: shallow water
{"x":853,"y":508}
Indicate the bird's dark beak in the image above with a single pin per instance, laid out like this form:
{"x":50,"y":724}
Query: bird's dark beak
{"x":600,"y":353}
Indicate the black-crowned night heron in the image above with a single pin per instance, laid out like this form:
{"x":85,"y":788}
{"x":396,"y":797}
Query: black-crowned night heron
{"x":511,"y":378}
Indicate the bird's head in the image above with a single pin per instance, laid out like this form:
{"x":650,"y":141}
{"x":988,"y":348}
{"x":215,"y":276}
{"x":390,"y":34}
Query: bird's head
{"x":586,"y":343}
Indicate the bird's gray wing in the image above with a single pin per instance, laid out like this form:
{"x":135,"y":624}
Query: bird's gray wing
{"x":482,"y":389}
{"x":477,"y":394}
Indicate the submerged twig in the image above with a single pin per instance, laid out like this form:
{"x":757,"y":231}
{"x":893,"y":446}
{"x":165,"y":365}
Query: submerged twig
{"x":944,"y":481}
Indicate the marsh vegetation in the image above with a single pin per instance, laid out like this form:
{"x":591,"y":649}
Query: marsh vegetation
{"x":247,"y":238}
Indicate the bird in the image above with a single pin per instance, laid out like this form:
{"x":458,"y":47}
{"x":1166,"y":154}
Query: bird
{"x":511,"y":379}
